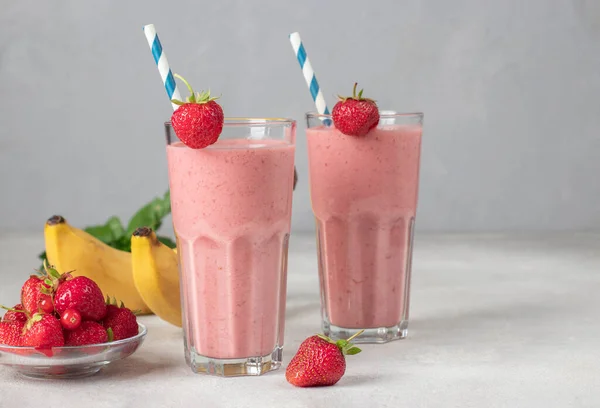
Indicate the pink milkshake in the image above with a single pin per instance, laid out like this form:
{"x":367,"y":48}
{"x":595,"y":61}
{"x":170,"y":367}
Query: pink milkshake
{"x":231,"y":206}
{"x":364,"y":197}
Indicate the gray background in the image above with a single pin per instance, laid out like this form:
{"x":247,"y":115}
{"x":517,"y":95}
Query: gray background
{"x":510,"y":91}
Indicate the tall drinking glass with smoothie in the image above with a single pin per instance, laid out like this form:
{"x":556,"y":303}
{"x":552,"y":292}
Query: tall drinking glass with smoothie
{"x":231,"y":186}
{"x":364,"y":177}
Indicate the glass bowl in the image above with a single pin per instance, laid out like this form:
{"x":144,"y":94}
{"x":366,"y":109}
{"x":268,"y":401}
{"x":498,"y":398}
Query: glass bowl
{"x":69,"y":362}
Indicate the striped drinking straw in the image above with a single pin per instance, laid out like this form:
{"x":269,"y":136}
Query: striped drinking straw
{"x":309,"y":75}
{"x":160,"y":58}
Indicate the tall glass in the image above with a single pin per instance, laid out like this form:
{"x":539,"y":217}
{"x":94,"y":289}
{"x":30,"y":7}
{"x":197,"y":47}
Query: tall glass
{"x":231,"y":206}
{"x":364,"y":198}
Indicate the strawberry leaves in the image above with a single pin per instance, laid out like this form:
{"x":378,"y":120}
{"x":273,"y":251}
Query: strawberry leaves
{"x":195,"y":97}
{"x":345,"y":346}
{"x":354,"y":96}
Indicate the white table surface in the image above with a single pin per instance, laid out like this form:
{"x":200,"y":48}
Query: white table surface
{"x":496,"y":321}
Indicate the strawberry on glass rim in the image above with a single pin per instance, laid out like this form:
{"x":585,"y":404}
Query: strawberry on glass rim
{"x":355,"y":115}
{"x":198,"y":122}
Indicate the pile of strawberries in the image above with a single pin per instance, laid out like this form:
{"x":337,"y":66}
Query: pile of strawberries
{"x":60,"y":310}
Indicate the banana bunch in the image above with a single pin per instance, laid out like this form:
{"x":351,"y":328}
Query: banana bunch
{"x":147,"y":279}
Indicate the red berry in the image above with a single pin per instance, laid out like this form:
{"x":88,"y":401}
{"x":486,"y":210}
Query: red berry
{"x":46,"y":304}
{"x":10,"y":333}
{"x":199,"y":121}
{"x":122,"y":321}
{"x":43,"y":331}
{"x":87,"y":333}
{"x":355,"y":116}
{"x":319,"y":361}
{"x":82,"y":294}
{"x":70,"y":319}
{"x":16,"y":314}
{"x":32,"y":294}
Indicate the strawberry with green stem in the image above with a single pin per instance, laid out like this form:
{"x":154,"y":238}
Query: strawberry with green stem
{"x":197,"y":122}
{"x":120,"y":320}
{"x":15,"y":314}
{"x":320,"y":361}
{"x":43,"y":331}
{"x":355,"y":115}
{"x":38,"y":291}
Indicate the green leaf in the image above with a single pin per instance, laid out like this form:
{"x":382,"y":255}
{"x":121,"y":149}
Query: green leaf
{"x":167,"y":241}
{"x":102,"y":232}
{"x":111,"y":335}
{"x":43,"y":258}
{"x":341,"y":343}
{"x":353,"y":350}
{"x":122,"y":244}
{"x":150,"y":215}
{"x":116,"y":227}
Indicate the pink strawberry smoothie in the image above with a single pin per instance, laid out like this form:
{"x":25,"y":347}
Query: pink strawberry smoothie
{"x":231,"y":208}
{"x":364,"y":197}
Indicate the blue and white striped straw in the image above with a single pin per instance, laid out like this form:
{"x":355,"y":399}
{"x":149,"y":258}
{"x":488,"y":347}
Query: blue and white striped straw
{"x":160,"y":58}
{"x":309,"y":74}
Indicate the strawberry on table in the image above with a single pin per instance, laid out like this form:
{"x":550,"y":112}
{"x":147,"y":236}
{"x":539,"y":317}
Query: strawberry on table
{"x":121,"y":321}
{"x":87,"y":333}
{"x":199,"y":121}
{"x":43,"y":331}
{"x":355,"y":115}
{"x":320,"y":361}
{"x":82,"y":294}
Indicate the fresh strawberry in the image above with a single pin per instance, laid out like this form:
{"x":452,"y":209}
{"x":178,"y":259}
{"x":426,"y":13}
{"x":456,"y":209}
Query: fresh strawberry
{"x":82,"y":294}
{"x":37,"y":292}
{"x":87,"y":333}
{"x":199,"y":121}
{"x":34,"y":292}
{"x":43,"y":331}
{"x":121,"y":321}
{"x":70,"y":319}
{"x":355,"y":115}
{"x":16,"y":314}
{"x":10,"y":333}
{"x":320,"y":361}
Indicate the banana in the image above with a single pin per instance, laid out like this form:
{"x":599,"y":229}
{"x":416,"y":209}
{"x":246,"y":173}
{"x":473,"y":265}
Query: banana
{"x":156,"y":275}
{"x":71,"y":249}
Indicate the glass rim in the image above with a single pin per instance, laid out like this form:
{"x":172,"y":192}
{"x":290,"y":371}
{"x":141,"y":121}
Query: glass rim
{"x":383,"y":114}
{"x":251,"y":121}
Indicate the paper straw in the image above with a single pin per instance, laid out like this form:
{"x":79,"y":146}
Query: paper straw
{"x":309,"y":74}
{"x":160,"y":58}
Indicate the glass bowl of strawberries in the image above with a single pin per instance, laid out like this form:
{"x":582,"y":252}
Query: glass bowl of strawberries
{"x":65,"y":328}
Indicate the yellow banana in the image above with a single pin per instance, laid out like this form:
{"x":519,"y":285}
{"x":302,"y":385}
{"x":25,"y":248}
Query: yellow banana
{"x":156,"y":275}
{"x":71,"y":249}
